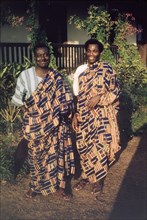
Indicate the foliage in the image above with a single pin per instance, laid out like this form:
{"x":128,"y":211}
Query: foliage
{"x":8,"y":76}
{"x":52,"y":63}
{"x":124,"y":26}
{"x":139,"y":120}
{"x":6,"y":162}
{"x":98,"y":24}
{"x":132,"y":73}
{"x":131,"y":70}
{"x":6,"y":156}
{"x":8,"y":17}
{"x":108,"y":56}
{"x":36,"y":33}
{"x":9,"y":114}
{"x":32,"y":12}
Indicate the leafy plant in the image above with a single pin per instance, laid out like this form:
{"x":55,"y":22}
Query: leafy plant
{"x":52,"y":57}
{"x":9,"y":114}
{"x":8,"y":76}
{"x":98,"y":23}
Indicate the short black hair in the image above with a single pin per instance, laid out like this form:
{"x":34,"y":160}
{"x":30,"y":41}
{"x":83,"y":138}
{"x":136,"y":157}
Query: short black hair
{"x":40,"y":45}
{"x":94,"y":41}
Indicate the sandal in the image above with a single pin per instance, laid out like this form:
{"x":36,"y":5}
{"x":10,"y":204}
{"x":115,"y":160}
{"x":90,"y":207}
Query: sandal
{"x":60,"y":191}
{"x":31,"y":194}
{"x":67,"y":196}
{"x":81,"y":184}
{"x":97,"y":187}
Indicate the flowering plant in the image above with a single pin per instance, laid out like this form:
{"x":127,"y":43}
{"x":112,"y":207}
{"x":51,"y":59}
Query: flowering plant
{"x":125,"y":25}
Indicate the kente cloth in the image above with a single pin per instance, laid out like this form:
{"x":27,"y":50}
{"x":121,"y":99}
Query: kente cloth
{"x":48,"y":130}
{"x":97,"y":132}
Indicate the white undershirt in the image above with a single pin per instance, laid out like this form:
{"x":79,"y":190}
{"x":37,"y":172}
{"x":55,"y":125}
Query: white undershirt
{"x":77,"y":73}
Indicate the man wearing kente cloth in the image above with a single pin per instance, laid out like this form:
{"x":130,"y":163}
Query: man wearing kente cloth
{"x":95,"y":122}
{"x":48,"y":105}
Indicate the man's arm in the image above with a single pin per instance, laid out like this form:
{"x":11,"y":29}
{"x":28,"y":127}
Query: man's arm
{"x":20,"y":92}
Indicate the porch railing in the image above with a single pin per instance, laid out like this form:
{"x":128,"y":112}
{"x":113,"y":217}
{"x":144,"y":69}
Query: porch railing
{"x":68,"y":56}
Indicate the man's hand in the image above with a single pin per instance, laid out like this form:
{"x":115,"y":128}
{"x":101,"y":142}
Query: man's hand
{"x":93,"y":102}
{"x":75,"y":122}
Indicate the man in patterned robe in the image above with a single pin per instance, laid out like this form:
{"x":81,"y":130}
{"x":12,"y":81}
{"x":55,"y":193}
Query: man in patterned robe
{"x":95,"y":122}
{"x":48,"y":105}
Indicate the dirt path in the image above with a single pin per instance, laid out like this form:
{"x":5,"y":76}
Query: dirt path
{"x":124,"y":196}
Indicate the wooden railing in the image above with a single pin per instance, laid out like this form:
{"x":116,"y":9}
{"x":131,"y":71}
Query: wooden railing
{"x":15,"y":52}
{"x":68,"y":56}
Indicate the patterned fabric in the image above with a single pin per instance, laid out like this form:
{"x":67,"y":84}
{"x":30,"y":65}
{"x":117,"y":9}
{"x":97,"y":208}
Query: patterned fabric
{"x":49,"y":134}
{"x":97,"y":133}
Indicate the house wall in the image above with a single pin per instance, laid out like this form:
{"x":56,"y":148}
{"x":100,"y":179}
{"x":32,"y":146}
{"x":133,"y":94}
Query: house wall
{"x":14,"y":34}
{"x":73,"y":34}
{"x":132,"y":39}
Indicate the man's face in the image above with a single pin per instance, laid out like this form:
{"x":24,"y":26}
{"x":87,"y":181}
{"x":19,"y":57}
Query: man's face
{"x":92,"y":53}
{"x":42,"y":57}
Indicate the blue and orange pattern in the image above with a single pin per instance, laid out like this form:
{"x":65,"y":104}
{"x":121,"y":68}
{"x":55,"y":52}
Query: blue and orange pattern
{"x":97,"y":132}
{"x":49,"y":134}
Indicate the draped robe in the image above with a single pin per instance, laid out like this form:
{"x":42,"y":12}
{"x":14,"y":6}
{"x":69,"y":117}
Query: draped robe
{"x":97,"y":132}
{"x":48,"y":130}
